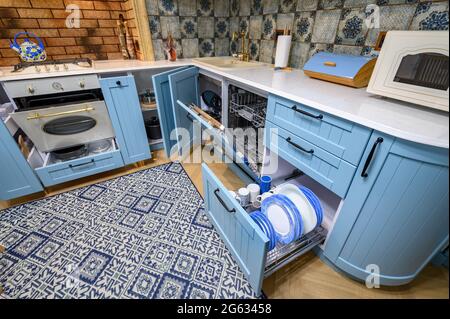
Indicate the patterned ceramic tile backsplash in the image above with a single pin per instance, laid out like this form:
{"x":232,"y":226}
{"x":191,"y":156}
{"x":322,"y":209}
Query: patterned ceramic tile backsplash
{"x":204,"y":27}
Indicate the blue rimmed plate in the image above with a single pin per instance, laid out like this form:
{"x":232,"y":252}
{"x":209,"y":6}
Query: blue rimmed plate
{"x":265,"y":225}
{"x":315,"y":202}
{"x":284,"y":217}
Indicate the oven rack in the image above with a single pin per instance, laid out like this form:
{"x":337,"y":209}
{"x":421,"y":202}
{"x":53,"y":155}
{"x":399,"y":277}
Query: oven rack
{"x":281,"y":255}
{"x":250,"y":107}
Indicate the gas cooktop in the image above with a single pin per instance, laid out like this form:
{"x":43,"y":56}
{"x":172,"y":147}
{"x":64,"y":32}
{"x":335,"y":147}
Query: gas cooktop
{"x":51,"y":66}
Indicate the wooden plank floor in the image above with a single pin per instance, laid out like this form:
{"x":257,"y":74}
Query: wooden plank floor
{"x":308,"y":277}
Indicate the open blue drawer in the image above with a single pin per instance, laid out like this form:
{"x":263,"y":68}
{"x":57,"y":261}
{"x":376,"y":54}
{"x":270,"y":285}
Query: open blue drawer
{"x":341,"y":138}
{"x":67,"y":171}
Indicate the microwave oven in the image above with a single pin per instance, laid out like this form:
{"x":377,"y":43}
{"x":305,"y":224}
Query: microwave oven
{"x":413,"y":66}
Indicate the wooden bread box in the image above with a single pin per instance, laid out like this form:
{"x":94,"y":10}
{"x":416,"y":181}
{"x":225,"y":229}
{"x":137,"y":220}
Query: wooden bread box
{"x":349,"y":70}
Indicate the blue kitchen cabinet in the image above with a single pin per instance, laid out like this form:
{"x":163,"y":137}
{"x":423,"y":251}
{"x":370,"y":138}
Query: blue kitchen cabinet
{"x":124,"y":108}
{"x":245,"y":240}
{"x":396,"y":213}
{"x":16,"y":176}
{"x":166,"y":109}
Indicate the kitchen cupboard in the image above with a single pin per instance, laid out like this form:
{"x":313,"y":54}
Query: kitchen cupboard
{"x":386,"y":198}
{"x":121,"y":98}
{"x":16,"y":176}
{"x":396,"y":213}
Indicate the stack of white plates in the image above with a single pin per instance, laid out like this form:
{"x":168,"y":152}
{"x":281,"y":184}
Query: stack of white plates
{"x":292,"y":211}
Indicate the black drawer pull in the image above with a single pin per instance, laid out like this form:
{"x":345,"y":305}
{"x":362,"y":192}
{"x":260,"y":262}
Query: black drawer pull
{"x":289,"y":140}
{"x":92,"y":161}
{"x":365,"y":173}
{"x":317,"y":117}
{"x":216,"y":192}
{"x":190,"y":117}
{"x":119,"y":83}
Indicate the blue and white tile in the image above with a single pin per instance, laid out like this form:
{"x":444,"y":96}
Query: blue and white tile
{"x":205,"y":27}
{"x":171,"y":287}
{"x":348,"y":49}
{"x":234,"y":8}
{"x":267,"y":51}
{"x":245,"y":8}
{"x":299,"y":54}
{"x":285,"y":20}
{"x":320,"y":47}
{"x":222,"y":28}
{"x":352,"y":28}
{"x":190,"y":48}
{"x":431,"y":16}
{"x":254,"y":50}
{"x":256,"y":27}
{"x":155,"y":27}
{"x":303,"y":26}
{"x":170,"y":25}
{"x":330,"y":4}
{"x":206,"y":47}
{"x":256,"y":7}
{"x":222,"y":8}
{"x":152,"y":7}
{"x":185,"y":264}
{"x":205,"y":8}
{"x":396,"y":17}
{"x":221,"y":47}
{"x":271,"y":6}
{"x":307,"y":5}
{"x":244,"y":25}
{"x":168,"y":7}
{"x":269,"y":27}
{"x":188,"y":27}
{"x":287,"y":6}
{"x":144,"y":284}
{"x":187,"y":8}
{"x":325,"y":26}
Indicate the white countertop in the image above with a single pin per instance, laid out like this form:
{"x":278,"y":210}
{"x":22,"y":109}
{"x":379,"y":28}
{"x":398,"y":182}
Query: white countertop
{"x":402,"y":120}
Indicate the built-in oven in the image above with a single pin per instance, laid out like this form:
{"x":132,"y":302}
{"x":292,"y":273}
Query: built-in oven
{"x":62,"y":116}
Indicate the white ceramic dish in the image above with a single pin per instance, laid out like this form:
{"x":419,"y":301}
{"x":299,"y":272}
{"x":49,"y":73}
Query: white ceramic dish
{"x":299,"y":199}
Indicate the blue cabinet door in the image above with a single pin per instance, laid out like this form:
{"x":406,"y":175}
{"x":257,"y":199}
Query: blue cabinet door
{"x":125,"y":111}
{"x":165,"y":108}
{"x":245,"y":240}
{"x":16,"y":176}
{"x":184,"y":88}
{"x":396,"y":216}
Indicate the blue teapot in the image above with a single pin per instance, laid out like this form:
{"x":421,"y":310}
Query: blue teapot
{"x":28,"y":50}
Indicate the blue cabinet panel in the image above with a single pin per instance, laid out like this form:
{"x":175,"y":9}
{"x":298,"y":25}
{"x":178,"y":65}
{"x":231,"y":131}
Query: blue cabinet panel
{"x":342,"y":138}
{"x":78,"y":168}
{"x":327,"y":169}
{"x":184,"y":88}
{"x":125,"y":111}
{"x":396,"y":217}
{"x":246,"y":242}
{"x":16,"y":176}
{"x":165,"y":108}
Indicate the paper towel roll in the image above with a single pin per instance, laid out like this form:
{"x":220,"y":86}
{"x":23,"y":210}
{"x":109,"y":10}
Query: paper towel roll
{"x":283,"y":50}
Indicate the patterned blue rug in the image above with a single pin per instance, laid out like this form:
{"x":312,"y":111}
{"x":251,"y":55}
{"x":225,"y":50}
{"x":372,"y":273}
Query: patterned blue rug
{"x":144,"y":235}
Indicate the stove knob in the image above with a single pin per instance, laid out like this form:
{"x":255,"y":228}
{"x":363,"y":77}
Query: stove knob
{"x":65,"y":67}
{"x":47,"y":68}
{"x":82,"y":84}
{"x":31,"y":89}
{"x":56,"y":66}
{"x":38,"y":69}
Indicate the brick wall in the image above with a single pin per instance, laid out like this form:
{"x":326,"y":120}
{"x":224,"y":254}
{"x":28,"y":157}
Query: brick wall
{"x":96,"y":38}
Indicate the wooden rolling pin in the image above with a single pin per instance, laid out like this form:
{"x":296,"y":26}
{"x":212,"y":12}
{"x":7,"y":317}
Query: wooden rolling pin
{"x":212,"y":121}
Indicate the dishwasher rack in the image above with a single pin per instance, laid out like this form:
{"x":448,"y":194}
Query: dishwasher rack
{"x":281,"y":255}
{"x":250,"y":107}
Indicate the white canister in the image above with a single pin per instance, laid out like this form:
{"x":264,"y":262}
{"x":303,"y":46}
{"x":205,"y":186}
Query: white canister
{"x":254,"y":190}
{"x":244,"y":196}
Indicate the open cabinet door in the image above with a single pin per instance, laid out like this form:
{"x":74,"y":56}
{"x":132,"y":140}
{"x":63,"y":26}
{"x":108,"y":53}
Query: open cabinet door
{"x":16,"y":176}
{"x":165,"y":108}
{"x":245,"y":240}
{"x":184,"y":88}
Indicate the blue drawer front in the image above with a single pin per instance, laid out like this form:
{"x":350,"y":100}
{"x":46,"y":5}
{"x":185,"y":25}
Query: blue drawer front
{"x":344,"y":139}
{"x":71,"y":170}
{"x":327,"y":169}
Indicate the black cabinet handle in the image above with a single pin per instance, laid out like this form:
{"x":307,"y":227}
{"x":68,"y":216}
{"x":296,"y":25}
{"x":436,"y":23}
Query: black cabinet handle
{"x":317,"y":117}
{"x":216,"y":192}
{"x":119,"y":83}
{"x":365,"y":173}
{"x":190,"y":118}
{"x":92,"y":161}
{"x":289,"y":140}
